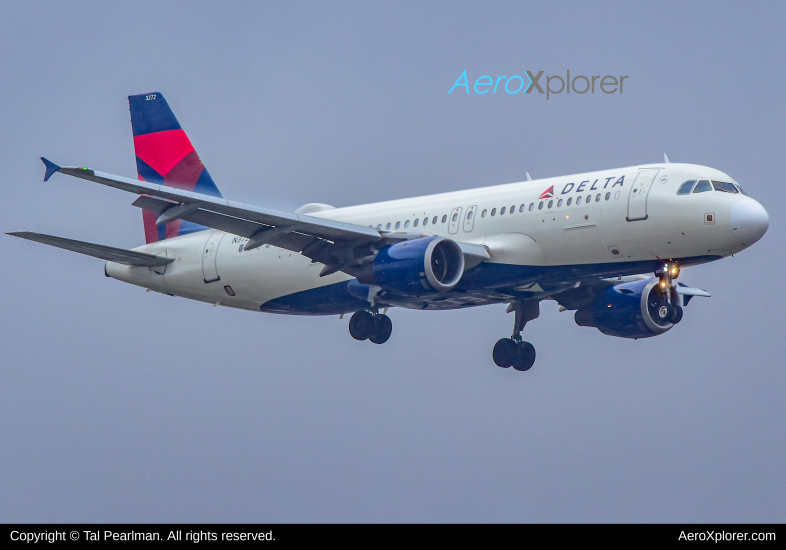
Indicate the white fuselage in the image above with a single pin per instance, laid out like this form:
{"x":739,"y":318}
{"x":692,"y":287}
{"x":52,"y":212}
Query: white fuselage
{"x":625,"y":215}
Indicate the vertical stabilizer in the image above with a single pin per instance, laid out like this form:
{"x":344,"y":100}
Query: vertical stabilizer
{"x":164,"y":155}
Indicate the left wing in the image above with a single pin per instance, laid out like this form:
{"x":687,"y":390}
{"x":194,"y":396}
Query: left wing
{"x":339,"y":245}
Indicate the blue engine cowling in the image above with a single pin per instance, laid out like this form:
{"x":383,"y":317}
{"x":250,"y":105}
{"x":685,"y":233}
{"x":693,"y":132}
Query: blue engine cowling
{"x":628,"y":310}
{"x":428,"y":265}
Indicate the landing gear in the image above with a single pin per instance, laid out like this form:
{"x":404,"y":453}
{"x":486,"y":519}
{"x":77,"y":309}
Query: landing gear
{"x":676,"y":314}
{"x":367,"y":326}
{"x":383,"y":327}
{"x":361,"y":325}
{"x":670,"y":311}
{"x":513,"y":351}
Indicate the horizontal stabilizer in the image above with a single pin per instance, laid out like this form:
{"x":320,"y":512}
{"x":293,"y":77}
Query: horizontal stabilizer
{"x":51,"y":168}
{"x":689,"y":291}
{"x":118,"y":255}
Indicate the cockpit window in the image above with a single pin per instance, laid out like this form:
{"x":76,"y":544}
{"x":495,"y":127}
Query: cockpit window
{"x":724,"y":186}
{"x":703,"y":185}
{"x":742,"y":190}
{"x":686,"y":187}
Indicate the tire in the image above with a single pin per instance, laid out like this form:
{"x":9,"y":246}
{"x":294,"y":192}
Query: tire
{"x":525,"y":356}
{"x":505,"y":351}
{"x":361,"y":325}
{"x":676,"y":315}
{"x":664,"y":312}
{"x":383,"y":327}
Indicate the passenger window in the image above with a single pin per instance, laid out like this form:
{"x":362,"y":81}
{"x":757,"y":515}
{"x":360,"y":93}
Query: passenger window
{"x":578,"y":200}
{"x":455,"y":216}
{"x":608,"y":196}
{"x":434,"y":220}
{"x":686,"y":187}
{"x":597,"y":197}
{"x":406,"y":224}
{"x":551,"y":203}
{"x":444,"y":218}
{"x":521,"y":208}
{"x":570,"y":200}
{"x":531,"y":206}
{"x":540,"y":206}
{"x":469,"y":215}
{"x":425,"y":221}
{"x":502,"y":212}
{"x":512,"y":209}
{"x":589,"y":198}
{"x":493,"y":211}
{"x":724,"y":186}
{"x":415,"y":224}
{"x":483,"y":214}
{"x":559,"y":203}
{"x":398,"y":224}
{"x":703,"y":185}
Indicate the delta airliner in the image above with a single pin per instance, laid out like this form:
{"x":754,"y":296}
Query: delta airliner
{"x":608,"y":245}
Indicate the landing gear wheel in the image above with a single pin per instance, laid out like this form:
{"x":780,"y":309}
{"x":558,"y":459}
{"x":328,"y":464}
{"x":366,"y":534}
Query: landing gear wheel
{"x":383,"y":327}
{"x":676,"y":315}
{"x":361,"y":325}
{"x":505,"y":352}
{"x":665,"y":312}
{"x":525,"y":356}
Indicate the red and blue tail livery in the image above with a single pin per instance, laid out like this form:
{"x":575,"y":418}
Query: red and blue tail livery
{"x":165,"y":156}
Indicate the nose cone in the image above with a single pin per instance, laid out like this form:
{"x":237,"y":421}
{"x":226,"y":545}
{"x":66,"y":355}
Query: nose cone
{"x":749,"y":221}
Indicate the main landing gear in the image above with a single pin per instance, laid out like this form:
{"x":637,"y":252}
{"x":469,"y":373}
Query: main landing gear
{"x":513,"y":351}
{"x":375,"y":327}
{"x":669,"y":311}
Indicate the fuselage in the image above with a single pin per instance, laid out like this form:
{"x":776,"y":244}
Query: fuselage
{"x":541,"y":235}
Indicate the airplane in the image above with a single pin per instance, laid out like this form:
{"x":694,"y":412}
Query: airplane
{"x":608,"y":245}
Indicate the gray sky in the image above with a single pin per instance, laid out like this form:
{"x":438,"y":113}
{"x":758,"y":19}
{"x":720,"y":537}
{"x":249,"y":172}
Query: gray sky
{"x":121,"y":405}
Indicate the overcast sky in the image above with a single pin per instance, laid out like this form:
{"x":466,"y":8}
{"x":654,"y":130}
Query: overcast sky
{"x":121,"y":405}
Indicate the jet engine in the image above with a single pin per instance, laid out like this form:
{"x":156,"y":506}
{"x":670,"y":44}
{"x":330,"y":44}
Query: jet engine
{"x":428,"y":265}
{"x":638,"y":309}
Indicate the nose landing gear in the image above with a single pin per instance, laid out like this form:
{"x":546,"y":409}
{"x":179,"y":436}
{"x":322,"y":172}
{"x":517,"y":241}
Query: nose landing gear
{"x":375,"y":327}
{"x":513,"y":351}
{"x":670,"y":311}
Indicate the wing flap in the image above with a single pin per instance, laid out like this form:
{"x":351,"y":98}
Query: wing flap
{"x":109,"y":253}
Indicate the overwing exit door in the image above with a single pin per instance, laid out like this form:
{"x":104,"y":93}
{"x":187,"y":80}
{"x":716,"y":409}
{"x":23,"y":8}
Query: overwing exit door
{"x":637,"y":199}
{"x":454,"y":221}
{"x":469,"y":218}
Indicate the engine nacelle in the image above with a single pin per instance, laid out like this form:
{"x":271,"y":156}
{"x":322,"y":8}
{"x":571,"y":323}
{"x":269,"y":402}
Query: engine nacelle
{"x":428,"y":265}
{"x":629,"y":310}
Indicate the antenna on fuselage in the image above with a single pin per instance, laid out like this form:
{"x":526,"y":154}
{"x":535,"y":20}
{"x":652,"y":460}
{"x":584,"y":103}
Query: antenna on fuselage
{"x":529,"y":178}
{"x":666,"y":159}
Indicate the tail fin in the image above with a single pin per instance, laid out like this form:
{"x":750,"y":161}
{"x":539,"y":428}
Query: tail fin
{"x":164,"y":155}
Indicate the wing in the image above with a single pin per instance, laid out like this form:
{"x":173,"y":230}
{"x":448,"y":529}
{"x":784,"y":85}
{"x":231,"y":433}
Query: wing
{"x":339,"y":245}
{"x":118,"y":255}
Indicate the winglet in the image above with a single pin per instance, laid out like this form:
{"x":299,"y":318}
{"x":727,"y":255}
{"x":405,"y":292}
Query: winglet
{"x":666,"y":159}
{"x":529,"y":178}
{"x":51,"y":168}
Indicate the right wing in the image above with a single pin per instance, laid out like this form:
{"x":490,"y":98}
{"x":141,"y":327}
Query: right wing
{"x":118,"y":255}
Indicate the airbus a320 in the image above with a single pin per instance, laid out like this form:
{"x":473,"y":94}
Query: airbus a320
{"x":608,"y":245}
